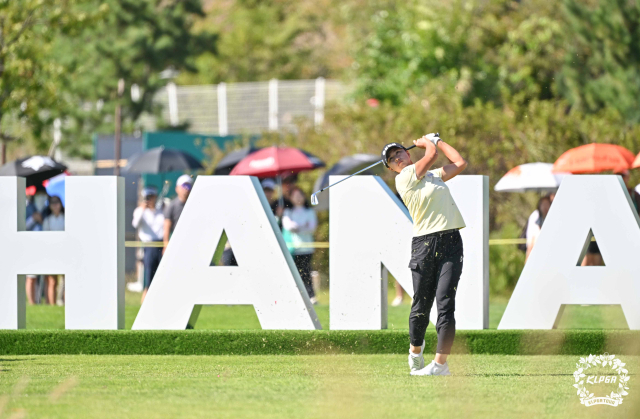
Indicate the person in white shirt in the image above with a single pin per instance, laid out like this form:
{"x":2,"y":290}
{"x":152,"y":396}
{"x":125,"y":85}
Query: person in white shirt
{"x":54,"y":222}
{"x":149,"y":221}
{"x":298,"y":225}
{"x":534,"y":224}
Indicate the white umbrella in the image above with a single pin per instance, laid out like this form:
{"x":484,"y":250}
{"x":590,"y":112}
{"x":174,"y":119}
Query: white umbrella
{"x":536,"y":177}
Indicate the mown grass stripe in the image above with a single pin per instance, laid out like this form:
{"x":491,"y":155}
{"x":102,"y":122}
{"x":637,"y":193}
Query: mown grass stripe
{"x":275,"y":342}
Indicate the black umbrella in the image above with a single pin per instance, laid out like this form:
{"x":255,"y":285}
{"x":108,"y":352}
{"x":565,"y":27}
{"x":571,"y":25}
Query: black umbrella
{"x":162,"y":160}
{"x":35,"y":168}
{"x":228,"y":162}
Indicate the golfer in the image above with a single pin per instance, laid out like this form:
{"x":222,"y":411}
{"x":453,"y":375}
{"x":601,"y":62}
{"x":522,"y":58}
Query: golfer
{"x":436,"y":249}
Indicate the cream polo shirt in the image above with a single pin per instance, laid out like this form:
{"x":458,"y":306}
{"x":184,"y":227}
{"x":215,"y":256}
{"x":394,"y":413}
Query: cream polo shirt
{"x":429,"y":201}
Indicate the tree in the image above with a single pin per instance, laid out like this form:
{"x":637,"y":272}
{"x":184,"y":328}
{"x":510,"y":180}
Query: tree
{"x":29,"y":72}
{"x":530,"y":60}
{"x":136,"y":41}
{"x":602,"y":66}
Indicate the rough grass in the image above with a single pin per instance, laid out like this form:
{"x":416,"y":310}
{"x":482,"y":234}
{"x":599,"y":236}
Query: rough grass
{"x":322,"y":386}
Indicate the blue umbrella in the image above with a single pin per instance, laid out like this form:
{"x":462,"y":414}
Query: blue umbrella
{"x":55,"y":187}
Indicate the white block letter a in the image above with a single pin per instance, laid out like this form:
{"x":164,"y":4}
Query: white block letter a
{"x":265,"y":277}
{"x":551,"y":278}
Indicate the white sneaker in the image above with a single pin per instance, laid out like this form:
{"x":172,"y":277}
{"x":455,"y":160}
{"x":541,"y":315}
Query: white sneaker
{"x":397,"y":301}
{"x":313,"y":301}
{"x":433,"y":369}
{"x":417,"y":362}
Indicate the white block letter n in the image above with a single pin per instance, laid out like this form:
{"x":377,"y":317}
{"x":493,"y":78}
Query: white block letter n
{"x":551,"y":277}
{"x":90,"y":252}
{"x":266,"y":276}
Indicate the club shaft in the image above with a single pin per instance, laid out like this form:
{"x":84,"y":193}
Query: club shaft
{"x":356,"y":173}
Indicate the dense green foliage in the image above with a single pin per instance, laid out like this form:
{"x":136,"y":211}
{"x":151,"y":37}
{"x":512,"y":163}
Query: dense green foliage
{"x":136,"y":41}
{"x":64,"y":59}
{"x":602,"y":65}
{"x":264,"y":39}
{"x":31,"y":77}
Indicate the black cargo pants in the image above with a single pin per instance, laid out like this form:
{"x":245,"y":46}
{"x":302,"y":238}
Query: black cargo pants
{"x":436,"y":265}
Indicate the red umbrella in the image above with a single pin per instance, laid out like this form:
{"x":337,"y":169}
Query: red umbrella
{"x":594,"y":158}
{"x":276,"y":161}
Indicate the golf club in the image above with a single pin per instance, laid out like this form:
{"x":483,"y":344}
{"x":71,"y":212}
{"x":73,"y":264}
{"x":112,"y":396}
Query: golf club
{"x":314,"y":197}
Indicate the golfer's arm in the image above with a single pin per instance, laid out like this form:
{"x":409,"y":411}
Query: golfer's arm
{"x":430,"y":156}
{"x":458,"y":164}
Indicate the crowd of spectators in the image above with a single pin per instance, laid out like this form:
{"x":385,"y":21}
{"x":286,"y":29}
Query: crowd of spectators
{"x":298,"y":223}
{"x":155,"y":223}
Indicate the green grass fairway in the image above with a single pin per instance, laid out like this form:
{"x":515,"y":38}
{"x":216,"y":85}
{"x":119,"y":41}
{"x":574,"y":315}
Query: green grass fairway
{"x":318,"y":386}
{"x":244,"y":317}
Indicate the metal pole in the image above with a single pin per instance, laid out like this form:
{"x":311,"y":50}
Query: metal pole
{"x":116,"y":168}
{"x":273,"y":105}
{"x":172,"y":93}
{"x":223,"y":128}
{"x":318,"y":115}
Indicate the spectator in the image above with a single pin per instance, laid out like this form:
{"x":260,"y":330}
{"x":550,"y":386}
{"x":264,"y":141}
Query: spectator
{"x":533,"y":229}
{"x":150,"y":224}
{"x":37,"y":209}
{"x":299,"y":223}
{"x":635,"y":196}
{"x":174,"y":209}
{"x":54,"y":222}
{"x":36,"y":212}
{"x":288,"y":184}
{"x":269,"y":188}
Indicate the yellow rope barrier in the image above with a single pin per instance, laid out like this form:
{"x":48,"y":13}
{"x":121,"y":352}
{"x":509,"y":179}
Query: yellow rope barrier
{"x":322,"y":245}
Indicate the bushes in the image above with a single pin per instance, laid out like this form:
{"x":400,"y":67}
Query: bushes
{"x":505,"y":262}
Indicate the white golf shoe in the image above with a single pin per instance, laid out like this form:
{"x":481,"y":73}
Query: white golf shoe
{"x":433,"y":369}
{"x":417,"y":362}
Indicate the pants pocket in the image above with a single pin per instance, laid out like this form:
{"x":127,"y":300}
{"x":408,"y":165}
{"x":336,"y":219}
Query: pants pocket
{"x":421,"y":252}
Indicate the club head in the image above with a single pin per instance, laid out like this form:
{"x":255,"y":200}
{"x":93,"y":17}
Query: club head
{"x":314,"y":199}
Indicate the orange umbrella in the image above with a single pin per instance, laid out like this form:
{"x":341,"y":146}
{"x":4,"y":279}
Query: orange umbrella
{"x":636,"y":162}
{"x":594,"y":158}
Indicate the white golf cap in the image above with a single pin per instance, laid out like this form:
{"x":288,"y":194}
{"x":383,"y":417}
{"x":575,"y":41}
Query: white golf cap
{"x":185,"y":180}
{"x":268,"y":184}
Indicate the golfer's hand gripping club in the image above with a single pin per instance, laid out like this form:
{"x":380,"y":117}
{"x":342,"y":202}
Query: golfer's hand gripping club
{"x":314,"y":197}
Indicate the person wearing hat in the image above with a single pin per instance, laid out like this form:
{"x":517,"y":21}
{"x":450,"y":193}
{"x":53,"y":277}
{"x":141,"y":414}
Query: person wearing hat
{"x":36,"y":211}
{"x":173,"y":211}
{"x":149,"y":221}
{"x":436,"y":248}
{"x":228,"y":258}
